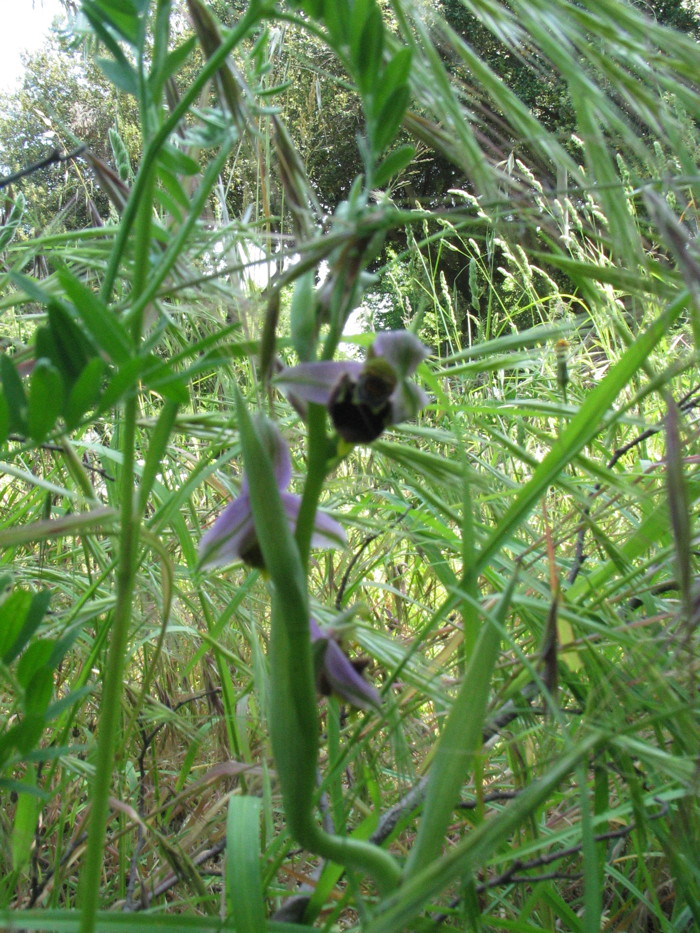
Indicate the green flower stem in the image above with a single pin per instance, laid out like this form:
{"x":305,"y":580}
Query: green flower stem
{"x":293,"y":715}
{"x":110,"y":708}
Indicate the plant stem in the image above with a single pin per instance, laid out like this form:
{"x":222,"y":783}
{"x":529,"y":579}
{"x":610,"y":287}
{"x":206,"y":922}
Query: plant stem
{"x":113,"y":681}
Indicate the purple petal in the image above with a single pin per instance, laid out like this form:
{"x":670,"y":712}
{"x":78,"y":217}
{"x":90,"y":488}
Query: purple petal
{"x":315,"y":382}
{"x":230,"y":536}
{"x":407,"y":400}
{"x":277,"y":450}
{"x":327,"y":531}
{"x":345,"y":680}
{"x":402,"y":349}
{"x":339,"y":673}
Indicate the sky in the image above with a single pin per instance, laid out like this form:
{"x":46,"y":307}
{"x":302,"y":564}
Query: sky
{"x":24,"y":27}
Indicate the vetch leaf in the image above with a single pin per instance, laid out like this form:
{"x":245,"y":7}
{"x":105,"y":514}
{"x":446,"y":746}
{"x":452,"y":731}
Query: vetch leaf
{"x":25,"y":821}
{"x":20,"y":616}
{"x":45,"y":400}
{"x":15,"y":398}
{"x":388,"y":120}
{"x":100,"y":322}
{"x":394,"y":163}
{"x":85,"y":393}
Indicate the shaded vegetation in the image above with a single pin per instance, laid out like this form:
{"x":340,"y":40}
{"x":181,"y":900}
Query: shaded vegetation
{"x":515,"y":570}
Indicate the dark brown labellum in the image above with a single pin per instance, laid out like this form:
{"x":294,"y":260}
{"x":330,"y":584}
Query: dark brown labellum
{"x":361,"y":410}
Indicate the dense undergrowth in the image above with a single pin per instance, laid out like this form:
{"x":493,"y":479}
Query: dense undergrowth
{"x":520,"y":564}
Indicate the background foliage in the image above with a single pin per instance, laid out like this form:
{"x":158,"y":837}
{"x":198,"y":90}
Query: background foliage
{"x":265,"y":183}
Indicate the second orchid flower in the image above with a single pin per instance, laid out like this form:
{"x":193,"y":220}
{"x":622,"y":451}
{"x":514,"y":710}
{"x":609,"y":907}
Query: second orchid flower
{"x":363,"y":398}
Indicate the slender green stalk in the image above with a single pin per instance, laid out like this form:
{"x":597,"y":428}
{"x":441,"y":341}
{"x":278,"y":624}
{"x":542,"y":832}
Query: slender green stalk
{"x":293,"y":716}
{"x":110,"y":710}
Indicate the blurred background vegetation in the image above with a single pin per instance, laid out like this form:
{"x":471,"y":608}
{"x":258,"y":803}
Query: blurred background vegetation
{"x":538,"y":232}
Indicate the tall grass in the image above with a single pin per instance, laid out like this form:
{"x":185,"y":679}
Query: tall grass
{"x":521,"y":558}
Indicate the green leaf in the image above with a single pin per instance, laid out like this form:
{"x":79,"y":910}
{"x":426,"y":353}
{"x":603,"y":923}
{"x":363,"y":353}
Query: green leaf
{"x":121,"y":15}
{"x":85,"y":393}
{"x":27,"y":733}
{"x":160,"y":377}
{"x":160,"y":438}
{"x":394,"y":163}
{"x":123,"y":381}
{"x":389,"y":119}
{"x":174,"y":61}
{"x":15,"y":398}
{"x":69,"y":921}
{"x":303,"y":315}
{"x":395,"y":75}
{"x":25,"y":820}
{"x":177,"y":161}
{"x":243,"y":880}
{"x":121,"y":74}
{"x":170,"y":182}
{"x":4,"y":419}
{"x":39,"y":692}
{"x":20,"y":616}
{"x":36,"y":657}
{"x":100,"y":322}
{"x":369,"y":58}
{"x":460,"y":741}
{"x":398,"y":910}
{"x":336,"y":15}
{"x":64,"y":343}
{"x":45,"y":400}
{"x":13,"y":612}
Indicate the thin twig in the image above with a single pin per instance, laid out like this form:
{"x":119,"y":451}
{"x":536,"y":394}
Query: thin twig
{"x":358,"y":554}
{"x":511,"y":876}
{"x":55,"y":156}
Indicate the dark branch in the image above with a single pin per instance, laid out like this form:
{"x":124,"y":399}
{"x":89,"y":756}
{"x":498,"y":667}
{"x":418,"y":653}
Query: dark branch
{"x":54,"y":157}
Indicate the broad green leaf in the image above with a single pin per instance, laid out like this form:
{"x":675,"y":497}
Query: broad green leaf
{"x":243,"y":880}
{"x":303,"y":315}
{"x":25,"y":820}
{"x":13,"y":612}
{"x":394,"y":163}
{"x":101,"y":323}
{"x":85,"y":393}
{"x":20,"y":616}
{"x":64,"y":343}
{"x":121,"y":74}
{"x":177,"y":161}
{"x":45,"y":400}
{"x":13,"y":392}
{"x":388,"y":120}
{"x":368,"y":52}
{"x":121,"y":15}
{"x":36,"y":657}
{"x":4,"y":419}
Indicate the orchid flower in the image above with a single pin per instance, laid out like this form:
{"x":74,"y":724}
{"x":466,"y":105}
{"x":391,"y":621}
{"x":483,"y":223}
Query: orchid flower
{"x":363,"y":398}
{"x":337,"y":674}
{"x":233,"y":537}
